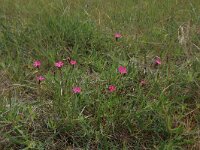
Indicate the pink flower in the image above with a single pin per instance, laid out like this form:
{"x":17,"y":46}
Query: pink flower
{"x":112,"y":88}
{"x":76,"y":90}
{"x":37,"y":64}
{"x":40,"y":78}
{"x":122,"y":70}
{"x":142,"y":82}
{"x":118,"y":35}
{"x":157,"y":60}
{"x":59,"y":64}
{"x":73,"y":62}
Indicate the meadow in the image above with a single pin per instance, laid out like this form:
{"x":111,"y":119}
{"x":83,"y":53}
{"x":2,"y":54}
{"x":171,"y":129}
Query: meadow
{"x":99,"y":74}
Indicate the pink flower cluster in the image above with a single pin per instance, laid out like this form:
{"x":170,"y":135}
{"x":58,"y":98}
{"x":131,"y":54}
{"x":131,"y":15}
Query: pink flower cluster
{"x":58,"y":64}
{"x":76,"y":90}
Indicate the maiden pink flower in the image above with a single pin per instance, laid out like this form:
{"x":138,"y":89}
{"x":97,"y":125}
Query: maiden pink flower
{"x":157,"y":60}
{"x":73,"y":62}
{"x":40,"y":78}
{"x":118,"y":35}
{"x":76,"y":90}
{"x":59,"y":64}
{"x":112,"y":88}
{"x":37,"y":63}
{"x":122,"y":70}
{"x":143,"y":82}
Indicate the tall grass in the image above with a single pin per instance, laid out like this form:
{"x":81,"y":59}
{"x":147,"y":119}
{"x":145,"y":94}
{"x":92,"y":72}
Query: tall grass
{"x":161,"y":114}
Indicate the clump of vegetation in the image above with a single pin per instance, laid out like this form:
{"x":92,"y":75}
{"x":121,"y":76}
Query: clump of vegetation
{"x":99,"y":74}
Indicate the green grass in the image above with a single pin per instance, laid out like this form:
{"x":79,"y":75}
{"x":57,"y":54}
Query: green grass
{"x":163,"y":114}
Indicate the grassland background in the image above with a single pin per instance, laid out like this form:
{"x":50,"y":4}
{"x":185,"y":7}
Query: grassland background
{"x":164,"y":114}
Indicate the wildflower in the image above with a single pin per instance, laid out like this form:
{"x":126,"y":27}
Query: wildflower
{"x":142,"y":82}
{"x":59,"y":64}
{"x":76,"y":90}
{"x":117,"y":36}
{"x":40,"y":78}
{"x":122,"y":70}
{"x":73,"y":62}
{"x":157,"y":60}
{"x":37,"y":64}
{"x":112,"y":88}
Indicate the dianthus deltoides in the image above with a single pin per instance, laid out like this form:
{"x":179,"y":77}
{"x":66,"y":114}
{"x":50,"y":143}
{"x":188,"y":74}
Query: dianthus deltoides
{"x":117,"y":36}
{"x":73,"y":62}
{"x":143,"y":82}
{"x":59,"y":64}
{"x":76,"y":90}
{"x":122,"y":70}
{"x":157,"y":60}
{"x":112,"y":88}
{"x":37,"y":64}
{"x":40,"y":79}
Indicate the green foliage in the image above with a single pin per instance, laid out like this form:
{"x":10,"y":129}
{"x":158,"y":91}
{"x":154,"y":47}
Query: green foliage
{"x":161,"y":114}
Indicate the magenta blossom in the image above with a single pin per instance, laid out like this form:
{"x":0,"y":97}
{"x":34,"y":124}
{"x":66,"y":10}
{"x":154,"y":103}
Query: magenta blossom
{"x":112,"y":88}
{"x":76,"y":90}
{"x":59,"y":64}
{"x":118,"y":35}
{"x":73,"y":62}
{"x":143,"y":82}
{"x":37,"y":63}
{"x":40,"y":78}
{"x":122,"y":70}
{"x":157,"y":60}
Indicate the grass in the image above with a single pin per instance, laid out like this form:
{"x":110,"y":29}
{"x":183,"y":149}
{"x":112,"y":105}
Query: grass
{"x":162,"y":114}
